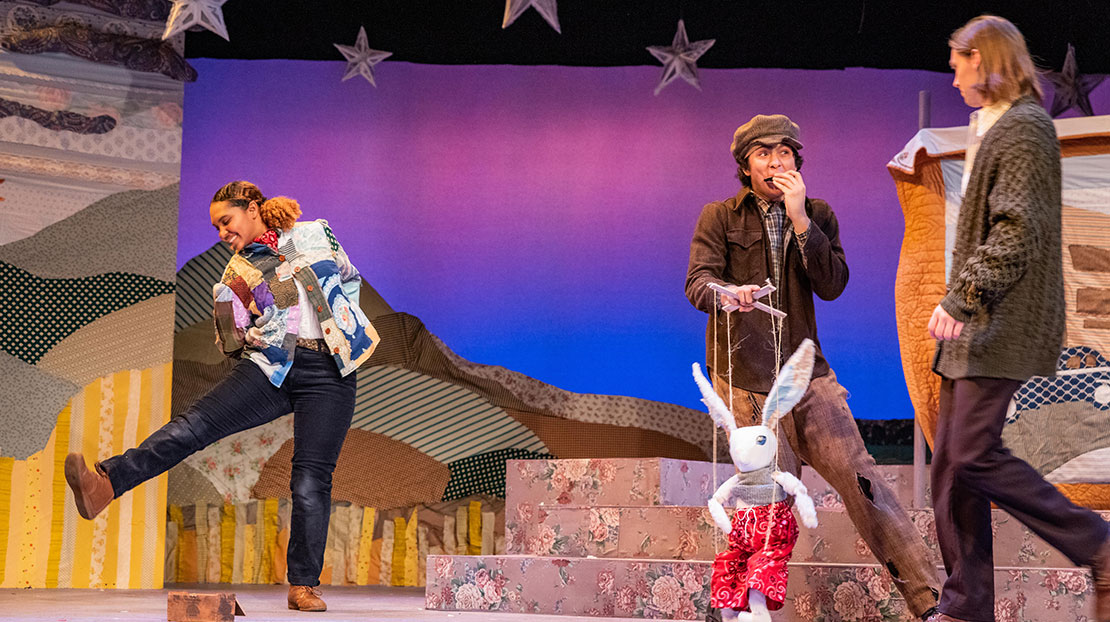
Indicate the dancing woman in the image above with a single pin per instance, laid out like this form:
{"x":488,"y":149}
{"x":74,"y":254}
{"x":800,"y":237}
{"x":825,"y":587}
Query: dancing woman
{"x":287,"y":309}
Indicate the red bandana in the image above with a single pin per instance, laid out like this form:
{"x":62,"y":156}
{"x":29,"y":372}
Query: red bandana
{"x":270,"y":238}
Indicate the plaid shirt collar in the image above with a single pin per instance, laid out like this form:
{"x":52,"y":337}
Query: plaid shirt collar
{"x":766,"y":205}
{"x":774,"y":219}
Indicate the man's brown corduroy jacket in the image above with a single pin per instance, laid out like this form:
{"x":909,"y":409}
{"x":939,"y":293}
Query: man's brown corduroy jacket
{"x":729,"y":248}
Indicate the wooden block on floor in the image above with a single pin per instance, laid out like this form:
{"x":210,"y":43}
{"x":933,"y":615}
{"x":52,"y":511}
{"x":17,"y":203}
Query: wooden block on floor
{"x":200,"y":607}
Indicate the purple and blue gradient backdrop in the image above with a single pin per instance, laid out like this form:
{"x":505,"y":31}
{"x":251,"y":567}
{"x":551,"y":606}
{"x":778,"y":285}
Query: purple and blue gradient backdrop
{"x":539,"y":218}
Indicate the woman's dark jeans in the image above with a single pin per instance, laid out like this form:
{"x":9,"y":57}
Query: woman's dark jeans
{"x":323,"y":403}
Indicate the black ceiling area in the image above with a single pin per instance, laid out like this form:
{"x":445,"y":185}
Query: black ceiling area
{"x":811,"y":34}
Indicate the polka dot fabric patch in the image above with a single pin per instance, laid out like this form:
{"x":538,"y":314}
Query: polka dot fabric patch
{"x":38,"y":313}
{"x":484,"y":473}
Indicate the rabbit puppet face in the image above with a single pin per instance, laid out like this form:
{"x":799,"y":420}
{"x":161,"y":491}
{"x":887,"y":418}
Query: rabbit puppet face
{"x":752,"y":447}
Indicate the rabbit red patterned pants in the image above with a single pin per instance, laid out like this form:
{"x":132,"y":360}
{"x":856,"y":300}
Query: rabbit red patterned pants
{"x":754,"y":561}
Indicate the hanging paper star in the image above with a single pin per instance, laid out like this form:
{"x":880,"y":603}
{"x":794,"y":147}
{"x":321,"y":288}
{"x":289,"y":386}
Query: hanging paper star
{"x":679,"y":58}
{"x":360,"y":58}
{"x":546,"y":8}
{"x":187,"y":14}
{"x":1073,"y":90}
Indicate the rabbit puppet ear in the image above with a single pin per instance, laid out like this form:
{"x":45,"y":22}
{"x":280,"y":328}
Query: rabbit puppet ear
{"x":717,"y":409}
{"x":791,"y":384}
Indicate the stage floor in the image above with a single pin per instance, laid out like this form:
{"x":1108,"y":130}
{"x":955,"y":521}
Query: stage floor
{"x":261,"y":603}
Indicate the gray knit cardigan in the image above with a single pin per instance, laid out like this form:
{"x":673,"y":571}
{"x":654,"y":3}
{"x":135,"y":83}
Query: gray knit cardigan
{"x":1006,"y":281}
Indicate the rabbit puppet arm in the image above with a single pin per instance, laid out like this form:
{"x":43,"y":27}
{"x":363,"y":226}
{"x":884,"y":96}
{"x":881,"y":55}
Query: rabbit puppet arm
{"x":717,"y":501}
{"x":793,"y":486}
{"x":720,"y":413}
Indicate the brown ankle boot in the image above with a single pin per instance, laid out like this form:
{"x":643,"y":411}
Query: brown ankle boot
{"x":1100,"y":572}
{"x":92,"y":490}
{"x":305,"y":598}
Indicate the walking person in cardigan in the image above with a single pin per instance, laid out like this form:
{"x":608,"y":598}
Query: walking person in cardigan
{"x":772,"y":230}
{"x":1001,"y":322}
{"x":287,"y":309}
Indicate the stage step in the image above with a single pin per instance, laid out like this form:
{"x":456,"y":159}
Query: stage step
{"x":655,"y":532}
{"x":677,"y":533}
{"x":679,"y":589}
{"x":625,"y":482}
{"x":632,"y":538}
{"x":639,"y":482}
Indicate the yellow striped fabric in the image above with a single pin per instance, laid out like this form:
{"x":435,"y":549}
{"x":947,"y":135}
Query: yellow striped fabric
{"x":412,"y":559}
{"x":474,"y":544}
{"x":386,"y":573}
{"x":354,"y":540}
{"x":57,"y":512}
{"x":187,"y":556}
{"x":200,"y":518}
{"x":6,"y":465}
{"x":258,"y":529}
{"x":43,"y":543}
{"x":259,"y":545}
{"x":249,"y":513}
{"x":248,"y":554}
{"x":375,"y":574}
{"x":215,"y":545}
{"x":269,"y":511}
{"x":398,"y":573}
{"x":365,"y":541}
{"x":227,"y":542}
{"x":239,"y":516}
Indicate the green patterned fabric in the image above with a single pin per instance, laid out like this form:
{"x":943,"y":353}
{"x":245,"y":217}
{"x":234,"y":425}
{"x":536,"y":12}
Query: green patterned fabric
{"x":442,"y":419}
{"x":484,"y":473}
{"x":331,"y":239}
{"x":38,"y":312}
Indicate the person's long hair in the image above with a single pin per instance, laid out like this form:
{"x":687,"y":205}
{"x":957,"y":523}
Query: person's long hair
{"x":1006,"y":70}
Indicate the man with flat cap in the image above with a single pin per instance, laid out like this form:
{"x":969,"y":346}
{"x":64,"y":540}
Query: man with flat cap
{"x":772,"y":231}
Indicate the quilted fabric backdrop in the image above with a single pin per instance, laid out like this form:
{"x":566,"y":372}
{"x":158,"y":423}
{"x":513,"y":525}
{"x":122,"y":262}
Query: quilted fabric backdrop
{"x":1060,"y":425}
{"x":91,"y":152}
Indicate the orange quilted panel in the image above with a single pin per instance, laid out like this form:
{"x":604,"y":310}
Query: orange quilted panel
{"x":1094,"y":496}
{"x":919,"y":284}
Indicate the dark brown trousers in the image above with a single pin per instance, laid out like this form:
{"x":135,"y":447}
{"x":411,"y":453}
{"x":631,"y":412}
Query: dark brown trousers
{"x":971,"y":468}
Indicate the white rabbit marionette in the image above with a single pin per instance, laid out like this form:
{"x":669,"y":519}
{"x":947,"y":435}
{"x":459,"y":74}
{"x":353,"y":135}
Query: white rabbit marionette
{"x":749,"y":577}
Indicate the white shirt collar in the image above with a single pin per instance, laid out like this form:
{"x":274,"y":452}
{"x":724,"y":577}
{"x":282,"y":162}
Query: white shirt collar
{"x":984,"y":118}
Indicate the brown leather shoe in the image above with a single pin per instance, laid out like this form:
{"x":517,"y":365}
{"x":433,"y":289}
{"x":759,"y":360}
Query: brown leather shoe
{"x":92,"y":490}
{"x":305,"y":598}
{"x":1100,"y":572}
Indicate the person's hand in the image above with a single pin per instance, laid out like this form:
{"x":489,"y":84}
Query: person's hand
{"x":743,"y":297}
{"x":794,"y":198}
{"x":944,"y":327}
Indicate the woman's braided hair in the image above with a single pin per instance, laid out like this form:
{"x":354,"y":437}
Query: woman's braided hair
{"x":278,"y":213}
